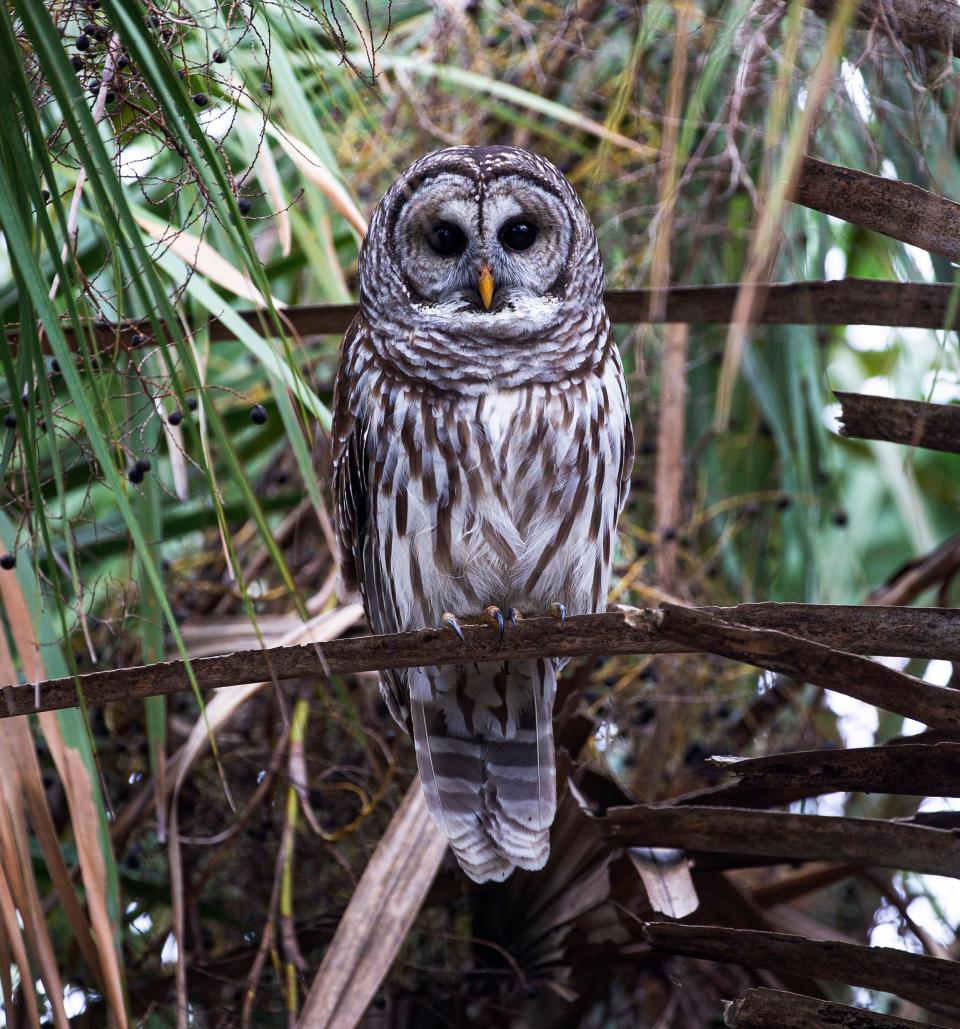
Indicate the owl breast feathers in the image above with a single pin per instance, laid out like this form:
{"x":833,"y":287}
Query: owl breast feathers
{"x":482,"y":456}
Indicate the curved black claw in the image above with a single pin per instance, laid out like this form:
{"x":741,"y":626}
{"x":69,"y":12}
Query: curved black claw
{"x":494,"y":617}
{"x":559,"y":611}
{"x":449,"y":621}
{"x":514,"y":615}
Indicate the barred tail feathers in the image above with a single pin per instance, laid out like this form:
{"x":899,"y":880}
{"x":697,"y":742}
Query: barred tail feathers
{"x":451,"y":771}
{"x":492,"y":794}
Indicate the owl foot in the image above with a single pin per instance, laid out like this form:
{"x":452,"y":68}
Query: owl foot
{"x":493,"y":616}
{"x":559,"y":611}
{"x":449,"y":621}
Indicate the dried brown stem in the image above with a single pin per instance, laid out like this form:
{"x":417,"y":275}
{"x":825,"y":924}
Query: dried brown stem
{"x":911,"y":422}
{"x":931,"y":982}
{"x":919,"y":574}
{"x":777,"y":1009}
{"x":668,"y":493}
{"x":896,"y":209}
{"x":812,"y":662}
{"x":776,"y":836}
{"x":909,"y":769}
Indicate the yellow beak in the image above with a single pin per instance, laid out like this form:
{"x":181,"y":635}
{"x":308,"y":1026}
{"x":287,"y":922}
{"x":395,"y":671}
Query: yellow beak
{"x":485,"y":286}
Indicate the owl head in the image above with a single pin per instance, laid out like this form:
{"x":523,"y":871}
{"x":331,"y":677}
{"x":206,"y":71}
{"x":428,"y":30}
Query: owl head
{"x":487,"y":242}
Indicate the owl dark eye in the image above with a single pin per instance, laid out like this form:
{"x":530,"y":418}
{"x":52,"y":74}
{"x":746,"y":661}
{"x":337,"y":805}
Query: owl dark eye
{"x":518,"y":234}
{"x":447,"y":239}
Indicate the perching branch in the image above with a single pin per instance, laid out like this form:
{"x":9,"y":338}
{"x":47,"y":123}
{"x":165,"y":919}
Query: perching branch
{"x":911,"y":422}
{"x":931,"y":982}
{"x":905,"y":632}
{"x":841,"y":302}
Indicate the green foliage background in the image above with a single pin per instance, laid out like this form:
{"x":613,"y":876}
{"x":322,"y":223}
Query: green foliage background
{"x":230,"y":520}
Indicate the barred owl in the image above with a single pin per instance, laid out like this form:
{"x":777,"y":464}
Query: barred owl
{"x":482,"y":452}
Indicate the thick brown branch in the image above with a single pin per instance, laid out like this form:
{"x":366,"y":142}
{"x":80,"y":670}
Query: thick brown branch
{"x":909,"y":769}
{"x":911,"y":422}
{"x":896,"y":209}
{"x":930,"y":982}
{"x":907,"y":632}
{"x":843,"y":302}
{"x":776,"y":836}
{"x":777,"y":1009}
{"x":815,"y":663}
{"x":930,"y":23}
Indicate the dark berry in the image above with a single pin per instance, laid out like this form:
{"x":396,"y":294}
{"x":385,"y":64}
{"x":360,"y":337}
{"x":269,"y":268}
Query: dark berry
{"x":258,"y":414}
{"x":8,"y":561}
{"x":783,"y":503}
{"x":83,"y":42}
{"x":244,"y":204}
{"x":45,"y":195}
{"x":840,"y":518}
{"x":218,"y":57}
{"x":668,"y":534}
{"x":77,"y":62}
{"x":181,"y":74}
{"x":265,"y":87}
{"x":695,"y":753}
{"x":136,"y":340}
{"x":93,"y":85}
{"x":55,"y":366}
{"x":123,"y":62}
{"x":192,"y":403}
{"x":201,"y":99}
{"x":646,"y":713}
{"x":100,"y":35}
{"x":89,"y":29}
{"x":135,"y":473}
{"x":153,"y":21}
{"x":144,"y":464}
{"x":175,"y":418}
{"x":10,"y":420}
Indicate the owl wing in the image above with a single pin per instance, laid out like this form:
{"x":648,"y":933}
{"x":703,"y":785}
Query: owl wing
{"x":628,"y":445}
{"x":355,"y":498}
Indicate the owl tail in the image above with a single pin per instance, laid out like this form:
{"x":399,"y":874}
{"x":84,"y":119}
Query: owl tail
{"x":493,"y":794}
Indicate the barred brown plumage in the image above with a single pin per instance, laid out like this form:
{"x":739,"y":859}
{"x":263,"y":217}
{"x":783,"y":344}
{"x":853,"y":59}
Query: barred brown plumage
{"x":482,"y":453}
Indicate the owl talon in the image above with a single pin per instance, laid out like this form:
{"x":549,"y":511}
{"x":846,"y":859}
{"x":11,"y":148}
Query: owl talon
{"x":559,"y":611}
{"x":514,"y":615}
{"x":493,"y":616}
{"x":449,"y":621}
